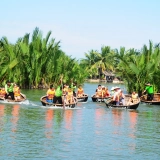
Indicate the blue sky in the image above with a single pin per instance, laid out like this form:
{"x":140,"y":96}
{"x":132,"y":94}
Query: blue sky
{"x":83,"y":25}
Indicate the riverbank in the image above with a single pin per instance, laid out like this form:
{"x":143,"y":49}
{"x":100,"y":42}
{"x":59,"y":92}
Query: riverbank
{"x":103,"y":80}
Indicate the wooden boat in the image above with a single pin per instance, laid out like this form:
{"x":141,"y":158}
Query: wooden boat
{"x":84,"y":98}
{"x":9,"y":100}
{"x":45,"y":103}
{"x":155,"y":101}
{"x":127,"y":105}
{"x":99,"y":99}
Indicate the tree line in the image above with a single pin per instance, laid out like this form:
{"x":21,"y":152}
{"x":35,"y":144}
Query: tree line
{"x":35,"y":61}
{"x":135,"y":67}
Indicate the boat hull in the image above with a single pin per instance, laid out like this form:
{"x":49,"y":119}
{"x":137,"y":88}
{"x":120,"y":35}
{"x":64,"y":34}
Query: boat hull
{"x":155,"y":101}
{"x":99,"y":99}
{"x":134,"y":105}
{"x":9,"y":100}
{"x":45,"y":103}
{"x":83,"y":99}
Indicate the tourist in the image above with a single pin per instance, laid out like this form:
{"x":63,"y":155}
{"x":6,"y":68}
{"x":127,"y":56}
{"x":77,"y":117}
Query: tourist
{"x":9,"y":90}
{"x":50,"y":94}
{"x":99,"y":91}
{"x":150,"y":91}
{"x":17,"y":92}
{"x":80,"y":91}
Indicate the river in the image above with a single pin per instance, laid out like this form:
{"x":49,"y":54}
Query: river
{"x":90,"y":131}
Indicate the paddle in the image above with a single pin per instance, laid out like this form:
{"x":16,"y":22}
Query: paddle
{"x":62,"y":92}
{"x":109,"y":100}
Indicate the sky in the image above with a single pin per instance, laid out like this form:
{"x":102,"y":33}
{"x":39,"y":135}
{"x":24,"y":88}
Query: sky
{"x":84,"y":25}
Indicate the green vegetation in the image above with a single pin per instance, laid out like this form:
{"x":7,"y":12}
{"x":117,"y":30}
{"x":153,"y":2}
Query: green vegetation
{"x":134,"y":67}
{"x":34,"y":60}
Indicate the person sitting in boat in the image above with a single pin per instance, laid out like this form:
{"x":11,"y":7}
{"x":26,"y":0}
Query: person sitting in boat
{"x":150,"y":91}
{"x":70,"y":96}
{"x":99,"y":91}
{"x":80,"y":91}
{"x":9,"y":90}
{"x":133,"y":99}
{"x":2,"y":93}
{"x":121,"y":98}
{"x":17,"y":92}
{"x":107,"y":94}
{"x":50,"y":94}
{"x":116,"y":96}
{"x":103,"y":91}
{"x":112,"y":91}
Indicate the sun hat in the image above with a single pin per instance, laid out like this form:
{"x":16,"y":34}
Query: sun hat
{"x":112,"y":89}
{"x":116,"y":87}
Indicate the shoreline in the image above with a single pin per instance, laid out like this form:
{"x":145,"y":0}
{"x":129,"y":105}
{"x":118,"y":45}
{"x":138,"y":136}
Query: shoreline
{"x":98,"y":80}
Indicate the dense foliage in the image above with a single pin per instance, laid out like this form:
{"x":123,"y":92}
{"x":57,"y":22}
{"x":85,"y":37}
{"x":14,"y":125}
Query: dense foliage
{"x":37,"y":61}
{"x":135,"y":67}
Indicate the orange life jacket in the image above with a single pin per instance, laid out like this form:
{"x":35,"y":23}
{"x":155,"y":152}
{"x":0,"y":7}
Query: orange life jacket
{"x":80,"y":91}
{"x":51,"y":94}
{"x":65,"y":90}
{"x":16,"y":91}
{"x":106,"y":93}
{"x":2,"y":92}
{"x":99,"y":92}
{"x":70,"y":94}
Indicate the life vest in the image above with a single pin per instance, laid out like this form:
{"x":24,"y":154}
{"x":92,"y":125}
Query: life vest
{"x":70,"y":94}
{"x":80,"y":91}
{"x":51,"y":94}
{"x":134,"y":96}
{"x":106,"y":93}
{"x":65,"y":90}
{"x":103,"y":92}
{"x":16,"y":91}
{"x":2,"y":93}
{"x":99,"y":92}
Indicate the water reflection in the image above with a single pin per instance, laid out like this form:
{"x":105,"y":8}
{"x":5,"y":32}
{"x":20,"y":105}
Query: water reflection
{"x":15,"y":117}
{"x":98,"y":120}
{"x":1,"y":117}
{"x":49,"y":123}
{"x":68,"y":119}
{"x":117,"y":117}
{"x":133,"y":119}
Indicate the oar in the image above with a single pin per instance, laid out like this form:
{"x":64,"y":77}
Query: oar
{"x":108,"y":100}
{"x":64,"y":102}
{"x":62,"y":92}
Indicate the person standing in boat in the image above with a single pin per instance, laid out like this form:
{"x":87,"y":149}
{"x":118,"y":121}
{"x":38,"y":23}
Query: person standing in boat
{"x":9,"y":90}
{"x":58,"y":93}
{"x":69,"y":97}
{"x":73,"y":86}
{"x":50,"y":94}
{"x":150,"y":91}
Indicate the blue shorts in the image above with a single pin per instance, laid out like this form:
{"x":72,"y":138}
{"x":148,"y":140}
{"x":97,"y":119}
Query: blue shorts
{"x":49,"y":100}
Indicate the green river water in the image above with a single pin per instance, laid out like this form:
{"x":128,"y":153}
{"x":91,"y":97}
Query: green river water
{"x":90,"y":131}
